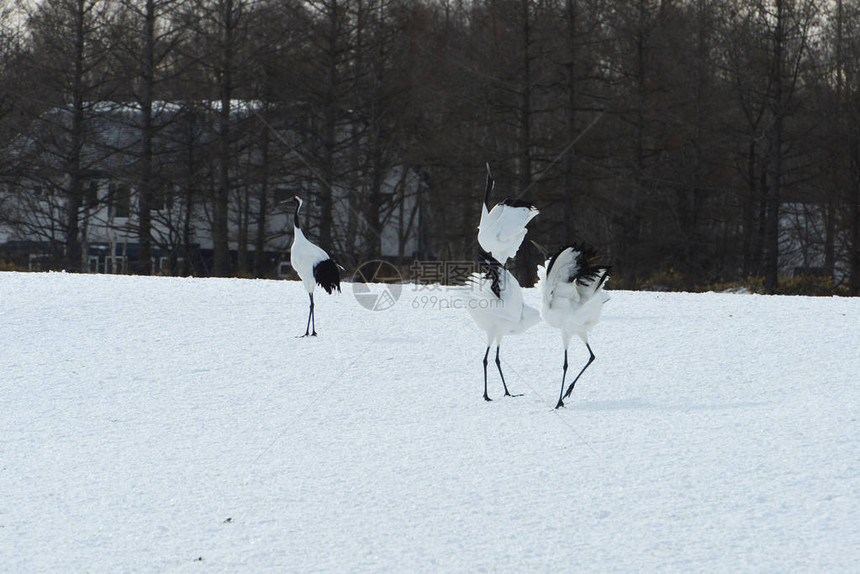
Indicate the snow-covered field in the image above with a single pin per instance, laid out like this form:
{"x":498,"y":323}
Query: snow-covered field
{"x":177,"y":425}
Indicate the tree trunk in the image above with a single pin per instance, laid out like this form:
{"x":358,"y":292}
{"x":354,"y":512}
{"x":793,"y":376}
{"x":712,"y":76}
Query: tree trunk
{"x":330,"y":114}
{"x":73,"y":167}
{"x":243,"y":232}
{"x":262,"y":208}
{"x":525,"y":256}
{"x":854,"y":204}
{"x":220,"y":225}
{"x":144,"y":232}
{"x":750,"y":253}
{"x":631,"y":232}
{"x":775,"y":173}
{"x":568,"y":195}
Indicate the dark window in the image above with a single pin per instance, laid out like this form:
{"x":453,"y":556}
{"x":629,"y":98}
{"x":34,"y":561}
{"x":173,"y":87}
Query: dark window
{"x":120,"y":200}
{"x":91,"y":191}
{"x":161,"y":197}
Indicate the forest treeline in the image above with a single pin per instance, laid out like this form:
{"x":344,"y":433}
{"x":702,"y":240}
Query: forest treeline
{"x":705,"y":141}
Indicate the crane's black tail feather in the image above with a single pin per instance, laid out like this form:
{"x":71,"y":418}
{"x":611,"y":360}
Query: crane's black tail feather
{"x":327,"y":275}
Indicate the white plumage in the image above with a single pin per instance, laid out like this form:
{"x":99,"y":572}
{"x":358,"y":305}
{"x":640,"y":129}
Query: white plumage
{"x":494,"y":299}
{"x":503,"y":228}
{"x":304,"y":256}
{"x":313,"y":266}
{"x":572,"y":299}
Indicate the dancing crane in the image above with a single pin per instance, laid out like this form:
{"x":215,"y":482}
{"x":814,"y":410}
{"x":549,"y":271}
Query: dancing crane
{"x":571,"y":287}
{"x":502,"y":228}
{"x":314,"y":267}
{"x":495,"y":301}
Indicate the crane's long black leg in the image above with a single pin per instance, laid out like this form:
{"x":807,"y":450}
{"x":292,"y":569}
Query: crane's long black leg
{"x":313,"y":318}
{"x":563,"y":376}
{"x":486,"y":396}
{"x":501,"y":374}
{"x":310,"y":318}
{"x":590,"y":360}
{"x":499,"y":366}
{"x":310,"y":312}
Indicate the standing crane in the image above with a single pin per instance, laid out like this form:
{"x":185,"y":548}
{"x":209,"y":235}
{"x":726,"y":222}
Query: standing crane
{"x":495,"y":302}
{"x":313,"y":265}
{"x":571,"y":288}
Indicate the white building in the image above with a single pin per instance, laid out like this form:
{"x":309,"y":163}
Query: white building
{"x":33,"y":197}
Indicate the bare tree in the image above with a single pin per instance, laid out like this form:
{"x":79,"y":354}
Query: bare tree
{"x":11,"y":80}
{"x":147,"y":36}
{"x":326,"y":83}
{"x":746,"y":64}
{"x":68,"y":51}
{"x":845,"y":52}
{"x":788,"y":26}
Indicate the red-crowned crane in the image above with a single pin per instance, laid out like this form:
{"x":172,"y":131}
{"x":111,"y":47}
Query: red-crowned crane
{"x":314,"y":267}
{"x":503,"y":228}
{"x":571,"y":288}
{"x":495,"y":301}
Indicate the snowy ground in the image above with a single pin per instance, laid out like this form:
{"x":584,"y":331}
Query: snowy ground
{"x":176,"y":425}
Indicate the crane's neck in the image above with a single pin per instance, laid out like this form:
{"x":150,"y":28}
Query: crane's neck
{"x":296,"y":216}
{"x":490,"y":184}
{"x":299,"y":237}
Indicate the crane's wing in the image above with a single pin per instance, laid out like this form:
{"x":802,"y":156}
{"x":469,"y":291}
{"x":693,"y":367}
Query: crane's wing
{"x":327,"y":275}
{"x":569,"y":276}
{"x":554,"y":277}
{"x":502,"y":230}
{"x":494,"y":291}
